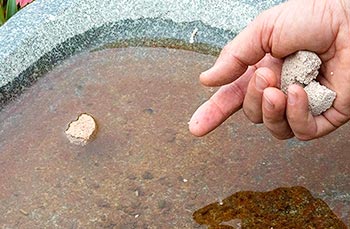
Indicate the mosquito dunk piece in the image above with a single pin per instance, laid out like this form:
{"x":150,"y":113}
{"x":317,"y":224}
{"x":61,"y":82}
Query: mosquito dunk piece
{"x":302,"y":68}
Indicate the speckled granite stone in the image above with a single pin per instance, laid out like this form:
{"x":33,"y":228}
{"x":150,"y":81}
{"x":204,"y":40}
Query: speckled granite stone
{"x":48,"y":31}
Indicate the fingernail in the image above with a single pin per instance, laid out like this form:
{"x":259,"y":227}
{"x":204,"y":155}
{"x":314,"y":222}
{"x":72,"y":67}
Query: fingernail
{"x":208,"y":70}
{"x":260,"y":82}
{"x":292,"y":97}
{"x":268,"y":104}
{"x":205,"y":72}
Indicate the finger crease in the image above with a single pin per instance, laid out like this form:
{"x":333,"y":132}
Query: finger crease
{"x":340,"y":121}
{"x":219,"y":108}
{"x":241,"y":63}
{"x":237,"y":90}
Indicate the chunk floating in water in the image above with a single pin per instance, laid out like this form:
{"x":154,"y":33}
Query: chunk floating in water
{"x":82,"y":130}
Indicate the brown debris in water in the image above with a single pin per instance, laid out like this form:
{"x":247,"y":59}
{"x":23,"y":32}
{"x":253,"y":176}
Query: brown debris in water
{"x":293,"y":207}
{"x":82,"y":130}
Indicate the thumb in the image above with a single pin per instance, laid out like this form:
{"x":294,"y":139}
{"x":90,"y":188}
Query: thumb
{"x":247,"y":48}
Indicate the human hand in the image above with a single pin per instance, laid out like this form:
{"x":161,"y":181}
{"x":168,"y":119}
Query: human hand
{"x":249,"y":68}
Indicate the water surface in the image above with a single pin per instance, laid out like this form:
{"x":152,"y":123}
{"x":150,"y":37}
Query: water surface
{"x":144,"y":169}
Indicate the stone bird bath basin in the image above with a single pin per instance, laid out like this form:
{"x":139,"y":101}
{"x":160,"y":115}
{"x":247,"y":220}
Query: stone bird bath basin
{"x":134,"y":65}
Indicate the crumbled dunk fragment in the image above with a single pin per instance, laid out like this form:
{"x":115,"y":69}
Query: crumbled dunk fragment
{"x":82,"y":130}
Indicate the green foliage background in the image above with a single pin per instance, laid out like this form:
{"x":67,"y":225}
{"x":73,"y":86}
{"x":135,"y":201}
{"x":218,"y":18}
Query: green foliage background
{"x":8,"y":8}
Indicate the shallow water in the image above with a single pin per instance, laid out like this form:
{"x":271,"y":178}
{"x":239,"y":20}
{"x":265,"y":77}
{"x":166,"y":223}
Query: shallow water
{"x":144,"y":169}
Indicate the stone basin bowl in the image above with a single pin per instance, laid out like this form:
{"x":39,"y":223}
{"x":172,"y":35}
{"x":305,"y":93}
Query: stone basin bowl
{"x":135,"y":187}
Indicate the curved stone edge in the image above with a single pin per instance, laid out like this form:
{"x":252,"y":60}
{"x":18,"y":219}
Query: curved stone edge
{"x":111,"y":33}
{"x":45,"y":26}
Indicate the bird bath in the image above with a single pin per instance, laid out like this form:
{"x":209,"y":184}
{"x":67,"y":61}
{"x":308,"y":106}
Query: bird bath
{"x":134,"y":68}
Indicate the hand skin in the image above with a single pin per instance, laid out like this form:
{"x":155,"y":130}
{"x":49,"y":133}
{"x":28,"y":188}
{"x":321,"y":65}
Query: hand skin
{"x":249,"y":67}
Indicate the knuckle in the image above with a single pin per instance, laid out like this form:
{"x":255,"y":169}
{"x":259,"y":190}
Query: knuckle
{"x":280,"y":130}
{"x":269,"y":118}
{"x":283,"y":136}
{"x":275,"y":117}
{"x":303,"y":136}
{"x":229,"y":54}
{"x":252,"y":116}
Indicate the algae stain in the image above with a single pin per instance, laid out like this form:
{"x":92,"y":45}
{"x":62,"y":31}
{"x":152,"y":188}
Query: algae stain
{"x":292,"y":207}
{"x":163,"y":43}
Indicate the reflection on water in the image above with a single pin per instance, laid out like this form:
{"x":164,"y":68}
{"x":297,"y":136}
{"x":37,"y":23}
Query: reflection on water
{"x":293,"y":207}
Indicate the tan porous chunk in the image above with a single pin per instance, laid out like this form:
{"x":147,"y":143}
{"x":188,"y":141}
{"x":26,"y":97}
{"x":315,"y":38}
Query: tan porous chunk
{"x":320,"y":97}
{"x":81,"y":131}
{"x":302,"y":68}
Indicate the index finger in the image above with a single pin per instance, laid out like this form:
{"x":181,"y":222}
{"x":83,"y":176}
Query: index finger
{"x":226,"y":101}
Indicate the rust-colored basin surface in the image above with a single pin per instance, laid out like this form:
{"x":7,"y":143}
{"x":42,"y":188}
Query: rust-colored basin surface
{"x":144,"y":169}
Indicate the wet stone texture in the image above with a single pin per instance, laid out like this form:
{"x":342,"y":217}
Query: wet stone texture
{"x":144,"y":169}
